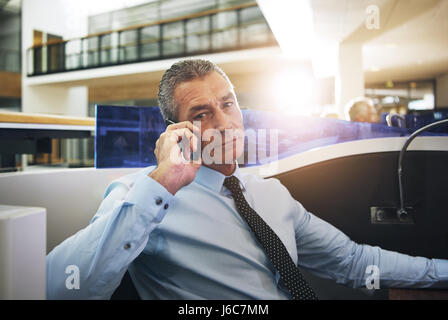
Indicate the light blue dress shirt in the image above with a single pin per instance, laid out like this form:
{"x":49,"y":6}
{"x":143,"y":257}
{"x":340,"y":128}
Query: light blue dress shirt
{"x":195,"y":245}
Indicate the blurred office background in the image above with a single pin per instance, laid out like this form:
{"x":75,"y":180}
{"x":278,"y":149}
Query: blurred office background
{"x":60,"y":58}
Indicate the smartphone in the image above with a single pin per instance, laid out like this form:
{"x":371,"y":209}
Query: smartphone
{"x":194,"y":156}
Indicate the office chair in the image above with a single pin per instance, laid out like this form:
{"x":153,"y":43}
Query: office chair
{"x":396,"y":120}
{"x":126,"y":290}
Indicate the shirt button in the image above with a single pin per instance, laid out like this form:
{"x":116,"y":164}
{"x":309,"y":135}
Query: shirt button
{"x":127,"y":246}
{"x":159,"y":201}
{"x":166,"y":206}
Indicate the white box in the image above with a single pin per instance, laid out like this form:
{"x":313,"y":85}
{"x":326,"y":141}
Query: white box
{"x":22,"y":252}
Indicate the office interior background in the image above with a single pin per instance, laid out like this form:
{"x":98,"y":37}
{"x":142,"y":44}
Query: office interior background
{"x":60,"y":58}
{"x":304,"y":58}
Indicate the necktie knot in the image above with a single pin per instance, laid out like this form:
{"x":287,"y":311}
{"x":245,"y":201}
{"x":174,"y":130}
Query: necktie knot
{"x":233,"y":184}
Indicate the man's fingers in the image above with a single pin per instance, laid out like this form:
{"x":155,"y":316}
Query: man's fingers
{"x":178,"y":145}
{"x":178,"y":134}
{"x":188,"y":140}
{"x":190,"y":144}
{"x":183,"y":124}
{"x":194,"y":143}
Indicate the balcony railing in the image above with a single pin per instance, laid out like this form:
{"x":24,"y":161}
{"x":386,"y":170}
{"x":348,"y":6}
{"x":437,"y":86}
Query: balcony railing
{"x":9,"y":60}
{"x":234,"y":28}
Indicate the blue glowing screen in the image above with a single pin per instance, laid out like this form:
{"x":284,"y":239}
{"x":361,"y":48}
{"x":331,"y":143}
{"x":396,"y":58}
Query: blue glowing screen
{"x":126,"y":136}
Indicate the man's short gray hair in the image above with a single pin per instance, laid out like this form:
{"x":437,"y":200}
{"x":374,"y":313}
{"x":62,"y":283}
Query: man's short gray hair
{"x":182,"y":71}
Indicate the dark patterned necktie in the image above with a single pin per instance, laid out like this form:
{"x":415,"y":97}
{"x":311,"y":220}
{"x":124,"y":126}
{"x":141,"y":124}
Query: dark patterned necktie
{"x":273,"y":246}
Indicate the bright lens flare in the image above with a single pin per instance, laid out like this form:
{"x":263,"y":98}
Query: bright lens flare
{"x":292,"y":92}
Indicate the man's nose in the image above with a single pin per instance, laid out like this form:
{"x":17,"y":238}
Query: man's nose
{"x":222,"y":121}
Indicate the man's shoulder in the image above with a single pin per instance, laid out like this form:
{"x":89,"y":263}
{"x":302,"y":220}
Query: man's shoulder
{"x":269,"y":187}
{"x":128,"y":180}
{"x":252,"y":179}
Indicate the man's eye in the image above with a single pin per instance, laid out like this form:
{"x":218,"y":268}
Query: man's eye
{"x":228,"y":104}
{"x":199,"y":116}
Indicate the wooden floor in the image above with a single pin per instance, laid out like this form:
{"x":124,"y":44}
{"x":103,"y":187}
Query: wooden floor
{"x":417,"y":294}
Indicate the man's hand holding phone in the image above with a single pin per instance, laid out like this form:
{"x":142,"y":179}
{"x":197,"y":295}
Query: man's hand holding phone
{"x":175,"y":169}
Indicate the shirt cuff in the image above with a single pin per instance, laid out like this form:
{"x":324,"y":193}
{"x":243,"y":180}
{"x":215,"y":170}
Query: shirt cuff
{"x":150,"y":196}
{"x":441,"y":267}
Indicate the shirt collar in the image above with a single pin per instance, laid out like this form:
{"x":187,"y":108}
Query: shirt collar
{"x":213,"y":179}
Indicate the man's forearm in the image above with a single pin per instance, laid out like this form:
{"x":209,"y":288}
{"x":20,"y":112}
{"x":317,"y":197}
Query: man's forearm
{"x":100,"y":254}
{"x":329,"y":253}
{"x":396,"y":270}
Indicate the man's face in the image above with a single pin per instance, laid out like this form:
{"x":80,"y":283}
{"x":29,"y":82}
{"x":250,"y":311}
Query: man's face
{"x":212,"y":102}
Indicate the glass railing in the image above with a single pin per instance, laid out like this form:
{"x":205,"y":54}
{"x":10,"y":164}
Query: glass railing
{"x":219,"y":30}
{"x":10,"y":60}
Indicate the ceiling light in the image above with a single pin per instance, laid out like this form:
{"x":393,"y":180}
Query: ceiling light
{"x":291,"y":22}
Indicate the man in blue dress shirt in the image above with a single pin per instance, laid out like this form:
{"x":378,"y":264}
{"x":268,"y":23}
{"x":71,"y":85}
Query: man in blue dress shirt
{"x":177,"y":230}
